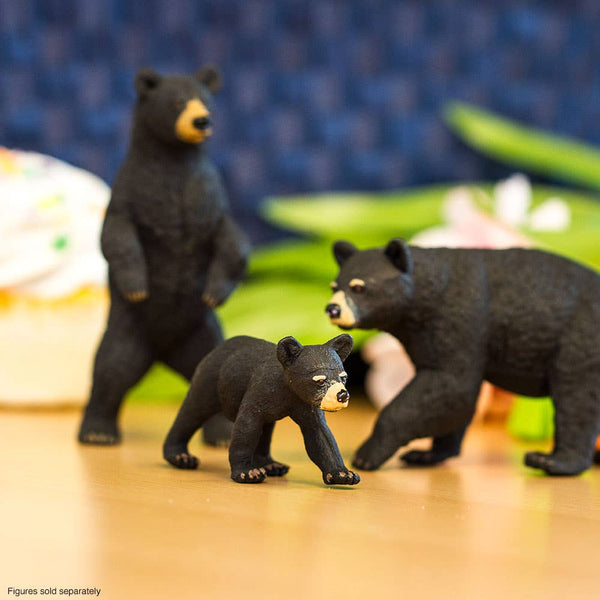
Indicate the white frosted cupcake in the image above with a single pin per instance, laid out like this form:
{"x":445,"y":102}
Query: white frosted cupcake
{"x":53,"y":296}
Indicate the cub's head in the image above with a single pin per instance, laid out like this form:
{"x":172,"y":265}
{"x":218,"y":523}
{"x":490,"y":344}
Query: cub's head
{"x":177,"y":108}
{"x":316,"y":373}
{"x":372,"y":285}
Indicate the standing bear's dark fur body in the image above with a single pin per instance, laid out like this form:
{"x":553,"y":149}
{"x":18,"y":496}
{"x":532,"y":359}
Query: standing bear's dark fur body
{"x":173,"y":251}
{"x":256,"y":383}
{"x":525,"y":320}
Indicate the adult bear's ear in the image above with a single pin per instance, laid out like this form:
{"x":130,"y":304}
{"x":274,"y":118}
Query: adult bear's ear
{"x":209,"y":77}
{"x":146,"y":80}
{"x":399,"y":254}
{"x":342,"y":344}
{"x":342,"y":251}
{"x":288,"y":350}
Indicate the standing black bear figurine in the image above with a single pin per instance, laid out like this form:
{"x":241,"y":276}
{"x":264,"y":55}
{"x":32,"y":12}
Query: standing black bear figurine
{"x":173,"y":251}
{"x":525,"y":320}
{"x":256,"y":383}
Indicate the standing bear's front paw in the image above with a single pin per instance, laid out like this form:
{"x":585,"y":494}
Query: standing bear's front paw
{"x":343,"y":476}
{"x":249,"y":476}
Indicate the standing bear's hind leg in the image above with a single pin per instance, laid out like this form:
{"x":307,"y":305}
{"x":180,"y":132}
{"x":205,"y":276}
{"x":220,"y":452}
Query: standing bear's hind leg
{"x":576,"y":399}
{"x":123,"y":358}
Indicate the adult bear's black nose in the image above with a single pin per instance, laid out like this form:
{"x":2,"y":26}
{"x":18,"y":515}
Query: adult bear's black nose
{"x":202,"y":123}
{"x":333,"y":310}
{"x":343,"y":396}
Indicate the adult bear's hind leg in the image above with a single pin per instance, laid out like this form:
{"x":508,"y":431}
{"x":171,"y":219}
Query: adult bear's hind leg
{"x":122,"y":359}
{"x":576,"y":399}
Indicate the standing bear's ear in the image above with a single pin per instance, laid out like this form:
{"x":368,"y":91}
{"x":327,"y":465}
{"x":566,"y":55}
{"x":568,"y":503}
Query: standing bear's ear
{"x":145,"y":81}
{"x":209,"y":77}
{"x":342,"y":251}
{"x":342,"y":344}
{"x":288,"y":350}
{"x":399,"y":254}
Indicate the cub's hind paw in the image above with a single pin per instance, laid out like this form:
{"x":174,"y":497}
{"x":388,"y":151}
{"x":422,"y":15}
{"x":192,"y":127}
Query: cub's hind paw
{"x":183,"y":460}
{"x":344,"y":477}
{"x":276,"y":469}
{"x":249,"y":476}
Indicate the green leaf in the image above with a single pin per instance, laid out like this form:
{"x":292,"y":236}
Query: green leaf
{"x":525,"y":147}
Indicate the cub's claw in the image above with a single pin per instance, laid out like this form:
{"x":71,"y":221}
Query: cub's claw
{"x":344,"y":477}
{"x":250,"y":476}
{"x":183,"y":460}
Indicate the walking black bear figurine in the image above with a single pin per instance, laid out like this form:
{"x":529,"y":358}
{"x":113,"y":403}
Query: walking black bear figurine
{"x":256,"y":383}
{"x":525,"y":320}
{"x":173,"y":251}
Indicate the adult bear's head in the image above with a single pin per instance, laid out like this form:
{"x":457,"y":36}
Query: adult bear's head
{"x":176,"y":109}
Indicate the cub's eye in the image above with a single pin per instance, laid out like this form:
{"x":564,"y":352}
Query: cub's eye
{"x":334,"y":286}
{"x":179,"y":104}
{"x":320,"y":380}
{"x":357,"y":286}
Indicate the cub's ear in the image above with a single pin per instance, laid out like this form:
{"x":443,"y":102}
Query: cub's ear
{"x":210,"y":77}
{"x":399,"y":254}
{"x":288,"y":350}
{"x":146,"y":80}
{"x":342,"y":251}
{"x":342,"y":344}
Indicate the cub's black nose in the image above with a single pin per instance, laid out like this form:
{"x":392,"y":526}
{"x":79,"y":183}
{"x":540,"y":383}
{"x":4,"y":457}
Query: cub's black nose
{"x":343,"y":396}
{"x":202,"y":123}
{"x":333,"y":310}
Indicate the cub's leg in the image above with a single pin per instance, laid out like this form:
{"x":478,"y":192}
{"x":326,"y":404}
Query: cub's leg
{"x":262,"y":455}
{"x":122,"y":359}
{"x":245,"y":438}
{"x":576,"y":398}
{"x":217,"y":430}
{"x":321,"y":446}
{"x":200,"y":404}
{"x":443,"y":447}
{"x":434,"y":404}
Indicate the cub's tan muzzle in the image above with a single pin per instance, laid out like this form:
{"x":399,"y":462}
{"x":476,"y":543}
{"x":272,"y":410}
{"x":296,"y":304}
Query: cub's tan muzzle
{"x":336,"y":398}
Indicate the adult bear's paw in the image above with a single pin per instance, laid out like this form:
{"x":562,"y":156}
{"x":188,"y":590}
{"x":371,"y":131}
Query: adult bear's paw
{"x":425,"y":458}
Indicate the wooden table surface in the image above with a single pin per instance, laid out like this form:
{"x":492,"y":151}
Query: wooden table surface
{"x":120,"y":519}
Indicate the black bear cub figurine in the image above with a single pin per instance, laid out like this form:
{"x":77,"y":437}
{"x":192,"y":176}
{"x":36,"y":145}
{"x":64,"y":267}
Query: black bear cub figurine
{"x":256,"y":383}
{"x":525,"y":320}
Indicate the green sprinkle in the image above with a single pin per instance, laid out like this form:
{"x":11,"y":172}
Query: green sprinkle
{"x":60,"y":243}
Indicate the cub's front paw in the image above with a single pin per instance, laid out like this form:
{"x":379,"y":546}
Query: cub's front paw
{"x":424,"y":458}
{"x":343,"y":476}
{"x":249,"y":476}
{"x":183,"y":460}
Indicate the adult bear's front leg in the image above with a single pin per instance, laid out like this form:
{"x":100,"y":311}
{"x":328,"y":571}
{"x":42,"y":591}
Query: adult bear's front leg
{"x":433,"y":404}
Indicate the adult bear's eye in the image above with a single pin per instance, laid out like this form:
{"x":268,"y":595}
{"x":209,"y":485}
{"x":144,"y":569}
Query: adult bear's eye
{"x":334,"y":286}
{"x":357,"y":286}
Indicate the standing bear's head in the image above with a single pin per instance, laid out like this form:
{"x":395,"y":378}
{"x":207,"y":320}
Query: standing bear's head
{"x":176,"y":108}
{"x":316,"y":373}
{"x":372,"y":287}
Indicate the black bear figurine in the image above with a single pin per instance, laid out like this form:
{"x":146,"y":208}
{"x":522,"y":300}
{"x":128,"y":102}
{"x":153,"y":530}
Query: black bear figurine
{"x":525,"y":320}
{"x":256,"y":383}
{"x":174,"y":253}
